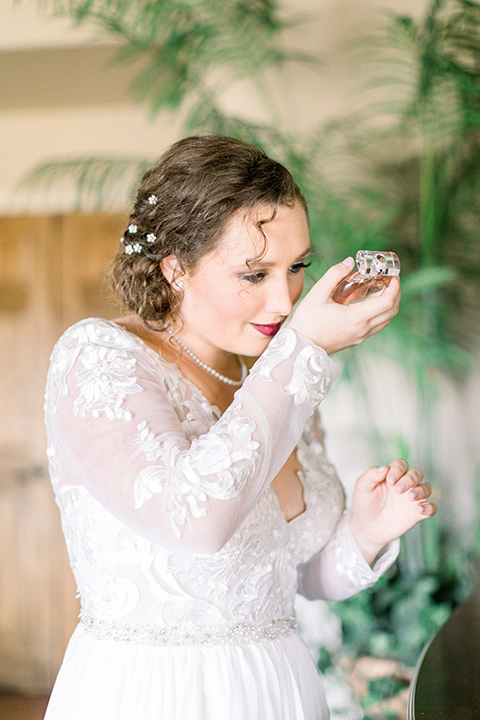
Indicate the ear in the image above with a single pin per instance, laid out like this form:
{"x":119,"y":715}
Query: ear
{"x":171,"y":268}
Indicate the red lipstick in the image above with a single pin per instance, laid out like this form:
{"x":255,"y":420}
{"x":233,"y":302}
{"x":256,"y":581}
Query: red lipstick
{"x":268,"y":330}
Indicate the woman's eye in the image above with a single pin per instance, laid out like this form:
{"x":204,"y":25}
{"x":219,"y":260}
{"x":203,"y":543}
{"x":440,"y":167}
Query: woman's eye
{"x":299,"y":266}
{"x":254,"y":277}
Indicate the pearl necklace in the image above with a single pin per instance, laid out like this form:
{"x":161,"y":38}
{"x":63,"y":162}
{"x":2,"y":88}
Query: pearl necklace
{"x":219,"y":376}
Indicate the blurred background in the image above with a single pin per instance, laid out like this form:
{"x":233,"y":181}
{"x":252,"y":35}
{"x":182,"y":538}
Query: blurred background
{"x":375,"y":108}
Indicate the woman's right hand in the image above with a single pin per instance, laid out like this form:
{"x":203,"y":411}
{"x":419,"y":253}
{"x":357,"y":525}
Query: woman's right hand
{"x":335,"y":327}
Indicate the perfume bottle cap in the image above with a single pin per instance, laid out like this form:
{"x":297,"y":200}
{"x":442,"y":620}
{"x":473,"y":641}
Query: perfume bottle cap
{"x":372,"y":262}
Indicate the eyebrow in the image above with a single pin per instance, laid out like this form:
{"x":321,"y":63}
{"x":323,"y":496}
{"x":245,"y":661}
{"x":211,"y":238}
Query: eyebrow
{"x":259,"y":264}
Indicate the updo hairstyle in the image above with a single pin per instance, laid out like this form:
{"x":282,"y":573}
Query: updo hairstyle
{"x":182,"y":208}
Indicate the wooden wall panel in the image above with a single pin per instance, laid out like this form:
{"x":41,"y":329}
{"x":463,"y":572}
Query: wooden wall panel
{"x":51,"y":275}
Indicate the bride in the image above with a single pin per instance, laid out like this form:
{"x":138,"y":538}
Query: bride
{"x":186,"y":454}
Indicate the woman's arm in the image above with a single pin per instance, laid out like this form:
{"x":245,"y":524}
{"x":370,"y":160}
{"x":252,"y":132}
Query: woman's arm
{"x":339,"y":570}
{"x":113,"y":429}
{"x":387,"y":501}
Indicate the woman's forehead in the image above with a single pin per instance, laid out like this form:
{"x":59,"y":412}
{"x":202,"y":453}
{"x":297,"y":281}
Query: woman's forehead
{"x":252,"y":234}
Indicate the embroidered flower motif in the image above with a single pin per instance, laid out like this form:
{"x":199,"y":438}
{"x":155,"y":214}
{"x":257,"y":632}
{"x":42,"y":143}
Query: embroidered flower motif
{"x":216,"y":466}
{"x":350,"y":563}
{"x":105,"y":382}
{"x":310,"y":381}
{"x":280,"y":349}
{"x":312,"y":372}
{"x":148,"y":442}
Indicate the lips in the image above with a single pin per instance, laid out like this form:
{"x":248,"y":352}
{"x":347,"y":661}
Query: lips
{"x":268,"y":330}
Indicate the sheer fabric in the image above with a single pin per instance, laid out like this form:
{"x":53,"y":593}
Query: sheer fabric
{"x":186,"y":567}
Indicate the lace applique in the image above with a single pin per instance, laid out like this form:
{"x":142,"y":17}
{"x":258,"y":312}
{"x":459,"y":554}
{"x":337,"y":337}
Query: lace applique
{"x":309,"y":366}
{"x":350,"y":562}
{"x":198,"y":416}
{"x":122,"y":576}
{"x":62,"y":360}
{"x":105,"y":382}
{"x":312,"y":371}
{"x":252,"y":575}
{"x":228,"y":453}
{"x":324,"y":497}
{"x":117,"y":598}
{"x":149,"y":443}
{"x":279,"y":350}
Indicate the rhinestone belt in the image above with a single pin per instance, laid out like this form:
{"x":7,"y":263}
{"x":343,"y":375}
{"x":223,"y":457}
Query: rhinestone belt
{"x":175,"y":636}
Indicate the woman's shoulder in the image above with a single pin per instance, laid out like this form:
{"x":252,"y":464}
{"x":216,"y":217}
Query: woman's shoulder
{"x":96,"y":331}
{"x":95,"y":338}
{"x":99,"y":342}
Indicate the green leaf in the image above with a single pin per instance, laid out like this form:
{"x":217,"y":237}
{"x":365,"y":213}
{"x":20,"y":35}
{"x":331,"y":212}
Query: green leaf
{"x":421,"y":281}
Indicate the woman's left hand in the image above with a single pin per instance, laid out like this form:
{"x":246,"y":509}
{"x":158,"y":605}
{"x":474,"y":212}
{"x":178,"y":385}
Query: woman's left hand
{"x":388,"y":501}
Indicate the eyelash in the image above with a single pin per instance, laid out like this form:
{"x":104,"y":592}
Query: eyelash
{"x":255,"y":278}
{"x":300,"y":266}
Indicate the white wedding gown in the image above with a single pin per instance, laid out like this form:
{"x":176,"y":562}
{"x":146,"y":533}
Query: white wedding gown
{"x":185,"y":565}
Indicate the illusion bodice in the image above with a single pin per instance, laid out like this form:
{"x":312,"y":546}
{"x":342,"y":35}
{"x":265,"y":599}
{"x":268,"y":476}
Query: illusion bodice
{"x":167,"y":507}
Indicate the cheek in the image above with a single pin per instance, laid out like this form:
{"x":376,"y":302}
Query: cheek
{"x":227,"y":303}
{"x":297,"y":289}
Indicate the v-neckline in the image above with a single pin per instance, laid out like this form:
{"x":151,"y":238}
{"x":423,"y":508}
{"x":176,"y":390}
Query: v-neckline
{"x":157,"y":356}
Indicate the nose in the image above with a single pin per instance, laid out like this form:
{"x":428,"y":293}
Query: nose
{"x":281,"y":297}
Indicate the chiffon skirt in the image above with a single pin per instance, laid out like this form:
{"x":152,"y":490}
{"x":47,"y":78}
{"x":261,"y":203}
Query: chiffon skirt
{"x":107,"y":680}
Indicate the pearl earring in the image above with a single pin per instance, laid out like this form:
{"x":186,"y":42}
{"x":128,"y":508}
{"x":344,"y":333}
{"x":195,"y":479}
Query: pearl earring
{"x":178,"y":284}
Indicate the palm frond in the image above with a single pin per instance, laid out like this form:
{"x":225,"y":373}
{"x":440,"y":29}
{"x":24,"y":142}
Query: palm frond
{"x":94,"y":183}
{"x":181,"y":44}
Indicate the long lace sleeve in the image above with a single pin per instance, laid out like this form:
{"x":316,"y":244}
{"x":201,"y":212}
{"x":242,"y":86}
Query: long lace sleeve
{"x":340,"y":570}
{"x":113,"y":429}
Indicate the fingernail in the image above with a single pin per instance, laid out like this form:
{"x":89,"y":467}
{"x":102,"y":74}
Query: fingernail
{"x":392,"y":479}
{"x":381,"y":469}
{"x":400,"y":487}
{"x":414,"y":494}
{"x":348,"y":261}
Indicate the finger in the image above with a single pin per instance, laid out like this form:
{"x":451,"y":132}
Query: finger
{"x":329,"y":281}
{"x":427,"y":509}
{"x":390,"y":297}
{"x":393,"y":290}
{"x":420,"y":492}
{"x":380,"y":307}
{"x":371,"y":478}
{"x":373,"y":329}
{"x":408,"y":481}
{"x":398,"y":468}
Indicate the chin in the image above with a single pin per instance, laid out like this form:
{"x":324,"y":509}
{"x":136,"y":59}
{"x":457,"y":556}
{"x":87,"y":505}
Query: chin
{"x":255,"y":349}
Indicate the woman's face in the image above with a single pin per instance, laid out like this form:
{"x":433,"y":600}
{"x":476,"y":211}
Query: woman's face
{"x":235,"y":304}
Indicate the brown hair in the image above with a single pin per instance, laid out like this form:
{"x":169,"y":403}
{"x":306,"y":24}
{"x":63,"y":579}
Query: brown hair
{"x":182,"y":208}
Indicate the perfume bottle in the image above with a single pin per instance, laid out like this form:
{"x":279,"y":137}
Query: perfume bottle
{"x":373,"y":273}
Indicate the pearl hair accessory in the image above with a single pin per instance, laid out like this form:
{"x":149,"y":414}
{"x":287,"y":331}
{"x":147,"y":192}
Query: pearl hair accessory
{"x":219,"y":376}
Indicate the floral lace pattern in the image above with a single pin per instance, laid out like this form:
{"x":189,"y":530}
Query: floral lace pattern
{"x":224,"y":459}
{"x":310,"y":363}
{"x":136,"y":451}
{"x":360,"y":575}
{"x":105,"y":382}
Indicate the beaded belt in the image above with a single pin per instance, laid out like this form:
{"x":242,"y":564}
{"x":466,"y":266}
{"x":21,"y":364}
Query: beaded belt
{"x":175,"y":636}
